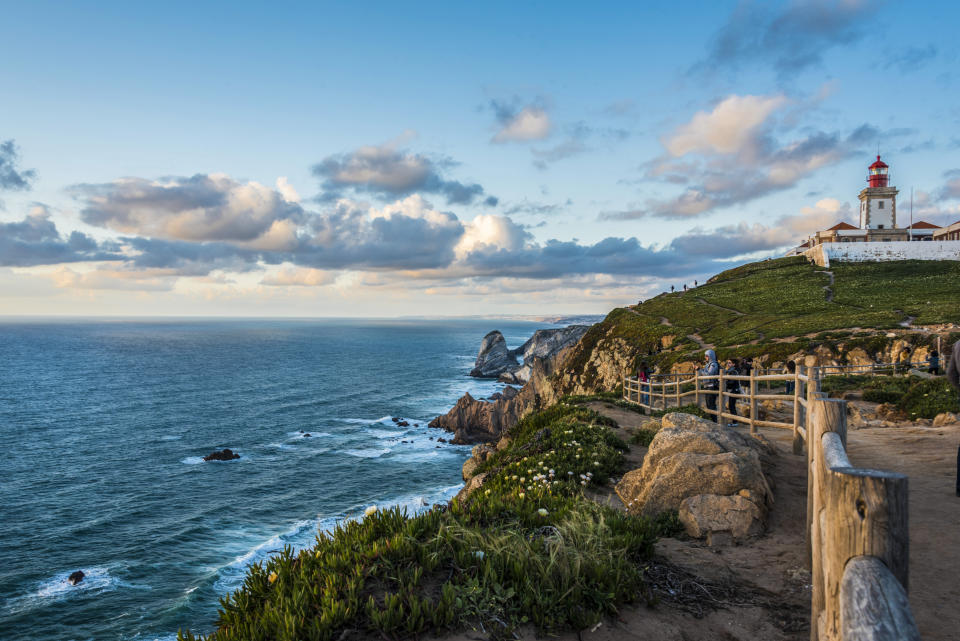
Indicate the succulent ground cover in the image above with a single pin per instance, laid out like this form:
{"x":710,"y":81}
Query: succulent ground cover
{"x":917,"y":397}
{"x":526,"y":547}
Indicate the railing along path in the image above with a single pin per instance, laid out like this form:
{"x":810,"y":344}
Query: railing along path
{"x":857,"y":537}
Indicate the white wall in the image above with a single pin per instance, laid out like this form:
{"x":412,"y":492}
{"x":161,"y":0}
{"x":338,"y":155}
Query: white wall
{"x":826,"y":253}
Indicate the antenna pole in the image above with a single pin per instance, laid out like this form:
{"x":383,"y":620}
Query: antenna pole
{"x":911,"y":213}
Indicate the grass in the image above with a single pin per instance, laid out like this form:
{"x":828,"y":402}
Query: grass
{"x":917,"y":397}
{"x":774,"y":308}
{"x":526,"y":547}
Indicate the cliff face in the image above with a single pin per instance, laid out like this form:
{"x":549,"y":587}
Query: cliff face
{"x":493,"y":358}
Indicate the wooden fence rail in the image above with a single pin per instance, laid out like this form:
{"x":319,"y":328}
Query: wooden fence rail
{"x":857,"y":536}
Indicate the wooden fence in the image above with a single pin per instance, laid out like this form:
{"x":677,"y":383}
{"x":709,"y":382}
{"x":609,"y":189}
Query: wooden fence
{"x":857,"y":537}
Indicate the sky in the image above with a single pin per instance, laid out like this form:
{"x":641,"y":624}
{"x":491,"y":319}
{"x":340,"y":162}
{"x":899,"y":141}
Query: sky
{"x":448,"y":159}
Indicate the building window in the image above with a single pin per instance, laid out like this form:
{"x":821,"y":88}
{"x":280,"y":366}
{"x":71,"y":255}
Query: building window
{"x":879,"y":204}
{"x":879,"y":226}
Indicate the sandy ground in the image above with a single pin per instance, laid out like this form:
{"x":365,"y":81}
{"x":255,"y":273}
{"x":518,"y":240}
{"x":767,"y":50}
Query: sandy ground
{"x":760,"y":590}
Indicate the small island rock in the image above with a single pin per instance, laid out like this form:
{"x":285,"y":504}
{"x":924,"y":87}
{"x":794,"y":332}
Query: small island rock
{"x":76,"y":577}
{"x":225,"y":454}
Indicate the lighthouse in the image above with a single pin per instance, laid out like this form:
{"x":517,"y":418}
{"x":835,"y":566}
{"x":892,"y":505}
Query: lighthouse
{"x":878,"y":200}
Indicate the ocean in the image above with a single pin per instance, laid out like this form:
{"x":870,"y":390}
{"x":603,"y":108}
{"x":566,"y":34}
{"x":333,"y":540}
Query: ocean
{"x":103,"y":426}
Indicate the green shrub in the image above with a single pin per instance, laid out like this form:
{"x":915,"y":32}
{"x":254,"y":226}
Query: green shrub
{"x":526,"y":547}
{"x":929,"y":397}
{"x":696,"y":410}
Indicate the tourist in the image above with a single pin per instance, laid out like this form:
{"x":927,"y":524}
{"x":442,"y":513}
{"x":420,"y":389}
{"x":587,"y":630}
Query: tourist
{"x":953,"y":375}
{"x":746,"y":366}
{"x":933,"y":363}
{"x":643,"y":377}
{"x":792,"y":371}
{"x":903,"y":362}
{"x":711,"y":386}
{"x":733,"y":387}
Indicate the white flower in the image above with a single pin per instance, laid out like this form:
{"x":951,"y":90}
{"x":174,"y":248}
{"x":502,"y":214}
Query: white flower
{"x":478,"y":554}
{"x":583,"y":482}
{"x":551,"y":471}
{"x":522,"y":495}
{"x":542,"y":511}
{"x":370,"y":510}
{"x":569,"y":473}
{"x":523,"y":479}
{"x":597,"y":463}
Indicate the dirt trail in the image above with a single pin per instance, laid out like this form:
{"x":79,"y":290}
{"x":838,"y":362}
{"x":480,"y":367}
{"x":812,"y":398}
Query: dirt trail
{"x":726,"y":309}
{"x":828,"y":288}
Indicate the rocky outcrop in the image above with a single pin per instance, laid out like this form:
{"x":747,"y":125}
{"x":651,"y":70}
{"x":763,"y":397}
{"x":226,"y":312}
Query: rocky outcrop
{"x":493,"y":358}
{"x":473,"y":421}
{"x":76,"y":577}
{"x":222,"y":455}
{"x":945,"y":418}
{"x":704,"y":471}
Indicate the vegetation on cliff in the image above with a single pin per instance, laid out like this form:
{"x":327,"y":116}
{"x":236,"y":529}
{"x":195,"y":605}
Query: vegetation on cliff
{"x":524,"y":547}
{"x":770,"y":309}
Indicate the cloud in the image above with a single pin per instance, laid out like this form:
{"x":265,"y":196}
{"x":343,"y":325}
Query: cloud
{"x":911,"y":58}
{"x":951,"y":188}
{"x":529,"y":123}
{"x":196,"y":208}
{"x":732,"y":126}
{"x":386,"y":171}
{"x":790,"y":37}
{"x":11,"y":176}
{"x":299,"y":277}
{"x":744,"y":238}
{"x":575,"y":143}
{"x":738,"y":152}
{"x":35,"y":240}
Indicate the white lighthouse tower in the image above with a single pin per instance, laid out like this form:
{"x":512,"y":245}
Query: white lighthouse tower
{"x":878,"y":200}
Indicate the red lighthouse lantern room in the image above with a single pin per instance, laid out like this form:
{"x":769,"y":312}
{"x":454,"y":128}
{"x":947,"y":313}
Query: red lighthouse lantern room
{"x":878,"y":174}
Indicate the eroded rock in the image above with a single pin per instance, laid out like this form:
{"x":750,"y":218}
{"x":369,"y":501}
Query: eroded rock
{"x":712,"y":513}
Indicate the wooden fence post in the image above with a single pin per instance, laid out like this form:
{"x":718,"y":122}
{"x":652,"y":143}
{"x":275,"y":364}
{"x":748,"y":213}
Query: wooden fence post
{"x":753,"y":402}
{"x":811,"y":454}
{"x":720,"y":402}
{"x":797,"y":439}
{"x":677,"y":389}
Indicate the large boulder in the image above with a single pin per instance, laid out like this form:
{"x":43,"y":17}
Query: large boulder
{"x":707,"y":513}
{"x":493,"y":358}
{"x":702,"y":469}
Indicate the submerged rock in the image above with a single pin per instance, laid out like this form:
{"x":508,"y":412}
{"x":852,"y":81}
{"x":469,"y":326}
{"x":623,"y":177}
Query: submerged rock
{"x":76,"y":577}
{"x":225,"y":454}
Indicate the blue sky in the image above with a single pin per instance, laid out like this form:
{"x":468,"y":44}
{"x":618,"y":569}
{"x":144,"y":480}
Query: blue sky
{"x":444,"y":159}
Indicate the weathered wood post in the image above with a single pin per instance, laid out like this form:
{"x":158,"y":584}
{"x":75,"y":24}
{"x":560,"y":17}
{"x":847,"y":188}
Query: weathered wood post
{"x":811,"y":456}
{"x":753,"y":401}
{"x":677,"y":389}
{"x":856,"y":513}
{"x":720,"y":402}
{"x":797,"y":438}
{"x":696,"y":386}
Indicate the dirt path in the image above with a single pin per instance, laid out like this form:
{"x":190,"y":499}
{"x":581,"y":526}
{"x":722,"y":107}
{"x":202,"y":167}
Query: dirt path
{"x":828,"y":288}
{"x":696,"y":338}
{"x":726,"y":309}
{"x":928,"y":456}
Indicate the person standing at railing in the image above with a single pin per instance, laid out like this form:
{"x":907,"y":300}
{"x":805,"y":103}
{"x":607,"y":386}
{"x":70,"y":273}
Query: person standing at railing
{"x":903,"y":362}
{"x":933,"y":363}
{"x":953,"y":375}
{"x":712,"y":386}
{"x":792,"y":371}
{"x":643,"y":380}
{"x":733,"y":387}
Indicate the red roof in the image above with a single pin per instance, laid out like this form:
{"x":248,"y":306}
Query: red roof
{"x":878,"y":164}
{"x":922,"y":224}
{"x":840,"y":226}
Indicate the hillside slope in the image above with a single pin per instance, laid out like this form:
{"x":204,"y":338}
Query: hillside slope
{"x":774,"y":310}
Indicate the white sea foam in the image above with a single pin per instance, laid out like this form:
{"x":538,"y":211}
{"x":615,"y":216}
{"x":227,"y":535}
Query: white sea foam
{"x":192,"y":460}
{"x":367,"y":453}
{"x":57,"y":587}
{"x":171,"y":437}
{"x":366,"y":421}
{"x":384,"y":433}
{"x":305,"y":432}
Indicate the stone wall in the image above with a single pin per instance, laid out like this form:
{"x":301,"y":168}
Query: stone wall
{"x":822,"y":255}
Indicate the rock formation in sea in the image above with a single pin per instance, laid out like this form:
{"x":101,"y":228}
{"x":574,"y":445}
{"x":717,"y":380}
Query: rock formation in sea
{"x":495,"y":360}
{"x":76,"y":577}
{"x":222,"y":455}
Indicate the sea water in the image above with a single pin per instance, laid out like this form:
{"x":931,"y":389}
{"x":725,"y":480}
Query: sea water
{"x":103,"y":429}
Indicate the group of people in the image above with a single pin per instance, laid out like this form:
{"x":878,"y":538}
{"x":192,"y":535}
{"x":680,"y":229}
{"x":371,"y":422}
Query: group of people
{"x":732,"y":367}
